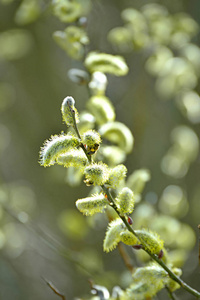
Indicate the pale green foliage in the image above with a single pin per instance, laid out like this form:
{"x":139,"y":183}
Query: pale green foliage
{"x":184,"y":150}
{"x":72,"y":40}
{"x":147,"y":281}
{"x":28,"y":11}
{"x":150,"y":240}
{"x":70,"y":10}
{"x":106,"y":63}
{"x":118,"y":133}
{"x":87,"y":121}
{"x":112,"y":155}
{"x":98,"y":83}
{"x":117,"y":176}
{"x":136,"y":182}
{"x":15,"y":43}
{"x":96,"y":173}
{"x":171,"y":284}
{"x":112,"y":237}
{"x":78,"y":76}
{"x":121,"y":38}
{"x":189,"y":104}
{"x":74,"y":158}
{"x":125,"y":201}
{"x":174,"y":201}
{"x":102,"y":109}
{"x":92,"y":205}
{"x":57,"y":145}
{"x":74,"y":176}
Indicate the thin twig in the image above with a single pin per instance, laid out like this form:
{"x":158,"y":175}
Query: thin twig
{"x":125,"y":257}
{"x":171,"y":295}
{"x":77,"y":132}
{"x":54,"y":289}
{"x":153,"y":256}
{"x":199,"y":242}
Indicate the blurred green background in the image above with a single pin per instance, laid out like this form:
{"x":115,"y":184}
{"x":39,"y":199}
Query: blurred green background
{"x":40,"y":229}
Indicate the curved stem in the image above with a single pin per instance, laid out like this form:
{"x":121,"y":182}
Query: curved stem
{"x":78,"y":134}
{"x":153,"y":256}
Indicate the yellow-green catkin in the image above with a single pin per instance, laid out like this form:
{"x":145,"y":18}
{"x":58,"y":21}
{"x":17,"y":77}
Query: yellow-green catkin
{"x":74,"y":158}
{"x":106,"y":63}
{"x":117,"y":175}
{"x":68,"y":109}
{"x":118,"y":133}
{"x":66,"y":11}
{"x":96,"y":173}
{"x":153,"y":271}
{"x":150,"y":240}
{"x":147,"y":281}
{"x":57,"y":145}
{"x":91,"y":140}
{"x":125,"y":201}
{"x":101,"y":107}
{"x":112,"y":237}
{"x":128,"y":238}
{"x":92,"y":205}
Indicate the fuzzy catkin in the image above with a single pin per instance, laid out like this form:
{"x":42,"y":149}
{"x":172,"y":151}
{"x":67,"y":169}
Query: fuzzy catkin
{"x":57,"y":145}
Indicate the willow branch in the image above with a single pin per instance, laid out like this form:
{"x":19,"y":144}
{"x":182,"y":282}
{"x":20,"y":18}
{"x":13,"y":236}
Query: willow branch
{"x":54,"y":289}
{"x":153,"y":256}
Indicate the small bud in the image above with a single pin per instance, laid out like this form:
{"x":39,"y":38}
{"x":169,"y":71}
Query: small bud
{"x":137,"y":247}
{"x":130,"y":221}
{"x":91,"y":140}
{"x":67,"y":110}
{"x":160,"y":254}
{"x":125,"y":201}
{"x":128,"y":238}
{"x":117,"y":175}
{"x":112,"y":237}
{"x":92,"y":205}
{"x":57,"y":145}
{"x":78,"y":76}
{"x":97,"y":174}
{"x":82,"y":22}
{"x":150,"y":240}
{"x":137,"y":180}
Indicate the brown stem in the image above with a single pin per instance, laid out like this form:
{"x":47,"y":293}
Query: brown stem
{"x":54,"y":289}
{"x":125,"y":257}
